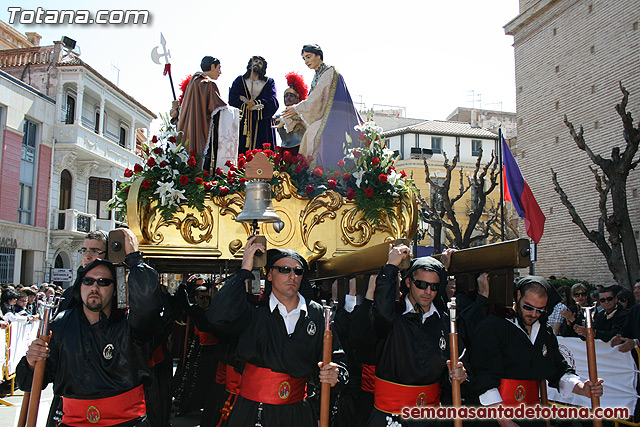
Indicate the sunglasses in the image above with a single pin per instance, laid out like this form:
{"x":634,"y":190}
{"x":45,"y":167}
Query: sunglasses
{"x":299,"y":271}
{"x":207,"y":297}
{"x":103,"y":282}
{"x":580,"y":294}
{"x":422,"y":285}
{"x":607,"y":299}
{"x":528,"y":307}
{"x":94,"y":252}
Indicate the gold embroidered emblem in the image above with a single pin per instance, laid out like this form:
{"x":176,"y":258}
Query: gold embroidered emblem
{"x":284,"y":390}
{"x":520,"y":393}
{"x":421,"y":400}
{"x":93,"y":415}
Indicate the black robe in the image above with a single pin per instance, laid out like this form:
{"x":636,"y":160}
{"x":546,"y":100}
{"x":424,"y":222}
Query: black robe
{"x":76,"y":364}
{"x":503,"y":350}
{"x":631,"y":328}
{"x":264,"y":342}
{"x":409,"y":351}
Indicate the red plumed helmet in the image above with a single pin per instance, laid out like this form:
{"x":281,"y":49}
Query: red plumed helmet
{"x":183,"y":87}
{"x":296,"y":82}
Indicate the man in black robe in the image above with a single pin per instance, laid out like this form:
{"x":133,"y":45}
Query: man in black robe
{"x":255,"y":95}
{"x":412,"y":345}
{"x":279,"y":341}
{"x":97,"y":356}
{"x":512,"y":355}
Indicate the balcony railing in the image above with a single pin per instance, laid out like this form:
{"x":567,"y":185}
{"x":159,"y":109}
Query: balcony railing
{"x":22,"y":57}
{"x":73,"y":220}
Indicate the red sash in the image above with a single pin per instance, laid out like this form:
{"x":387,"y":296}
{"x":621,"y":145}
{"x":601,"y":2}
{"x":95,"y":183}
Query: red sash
{"x":232,"y":380}
{"x":275,"y":388}
{"x":206,"y":338}
{"x":368,"y":378}
{"x":107,"y":411}
{"x":392,"y":397}
{"x":157,"y":356}
{"x":221,"y":373}
{"x":515,"y":392}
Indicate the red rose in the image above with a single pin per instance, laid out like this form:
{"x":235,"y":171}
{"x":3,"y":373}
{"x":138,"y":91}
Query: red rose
{"x":241,"y":163}
{"x":228,"y":163}
{"x":172,"y":139}
{"x":219,"y":171}
{"x":317,"y":172}
{"x":128,"y":173}
{"x":361,"y":137}
{"x":383,"y":178}
{"x":309,"y":159}
{"x":368,"y":191}
{"x":191,"y":161}
{"x":266,"y":146}
{"x":296,"y":158}
{"x":198,"y":180}
{"x":346,"y":176}
{"x":224,"y":190}
{"x":184,"y":180}
{"x":151,"y":162}
{"x":277,"y":158}
{"x":137,"y":168}
{"x":356,"y":154}
{"x":249,"y":156}
{"x":233,"y":168}
{"x":205,"y":174}
{"x":375,"y":161}
{"x":268,"y":153}
{"x":350,"y":193}
{"x":391,"y":169}
{"x":193,"y":153}
{"x":242,"y":181}
{"x":298,"y":169}
{"x":309,"y":190}
{"x":340,"y":163}
{"x":146,"y":183}
{"x":287,"y":157}
{"x":332,"y":183}
{"x":241,"y":156}
{"x":214,"y":183}
{"x":207,"y":185}
{"x":163,"y":164}
{"x":403,"y":174}
{"x":231,"y":180}
{"x":231,"y":174}
{"x":367,"y":142}
{"x":283,"y":168}
{"x":157,"y":150}
{"x":154,"y":139}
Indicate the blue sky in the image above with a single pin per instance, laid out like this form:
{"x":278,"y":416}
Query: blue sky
{"x":424,"y":55}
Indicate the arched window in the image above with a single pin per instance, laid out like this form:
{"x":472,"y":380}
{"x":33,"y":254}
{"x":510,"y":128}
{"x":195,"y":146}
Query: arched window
{"x":65,"y":190}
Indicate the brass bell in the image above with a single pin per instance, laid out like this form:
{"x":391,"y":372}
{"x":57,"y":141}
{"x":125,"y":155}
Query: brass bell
{"x":257,"y":203}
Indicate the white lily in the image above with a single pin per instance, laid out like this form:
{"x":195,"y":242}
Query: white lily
{"x":164,"y":191}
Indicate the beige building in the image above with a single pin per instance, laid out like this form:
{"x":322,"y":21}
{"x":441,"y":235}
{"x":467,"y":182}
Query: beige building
{"x":432,"y":139}
{"x":569,"y":57}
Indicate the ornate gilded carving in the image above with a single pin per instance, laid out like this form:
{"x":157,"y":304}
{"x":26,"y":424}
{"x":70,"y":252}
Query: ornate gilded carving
{"x":325,"y":205}
{"x":285,"y":189}
{"x":356,"y":231}
{"x":191,"y":222}
{"x":235,"y":246}
{"x":319,"y":250}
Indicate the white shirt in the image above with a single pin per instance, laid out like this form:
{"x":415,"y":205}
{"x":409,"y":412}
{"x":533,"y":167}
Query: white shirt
{"x":567,"y":382}
{"x":290,"y":318}
{"x":410,"y":309}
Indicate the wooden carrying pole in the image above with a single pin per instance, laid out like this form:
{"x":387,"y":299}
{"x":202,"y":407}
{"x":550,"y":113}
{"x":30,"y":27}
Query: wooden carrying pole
{"x":22,"y":420}
{"x":36,"y":388}
{"x":327,"y":351}
{"x":591,"y":361}
{"x":47,"y":312}
{"x":456,"y":395}
{"x":544,"y":398}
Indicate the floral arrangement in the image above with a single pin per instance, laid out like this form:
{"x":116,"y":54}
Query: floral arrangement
{"x":171,"y":174}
